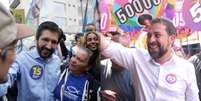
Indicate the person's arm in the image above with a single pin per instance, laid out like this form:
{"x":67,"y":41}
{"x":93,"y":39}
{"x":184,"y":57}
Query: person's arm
{"x":191,"y":93}
{"x":3,"y":71}
{"x":5,"y":61}
{"x":9,"y":80}
{"x":119,"y":54}
{"x":192,"y":59}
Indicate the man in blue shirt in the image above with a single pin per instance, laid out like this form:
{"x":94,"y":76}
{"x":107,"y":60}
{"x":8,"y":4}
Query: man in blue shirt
{"x":36,"y":71}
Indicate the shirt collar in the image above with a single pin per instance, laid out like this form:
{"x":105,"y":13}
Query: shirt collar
{"x":172,"y":60}
{"x":174,"y":57}
{"x":35,"y":55}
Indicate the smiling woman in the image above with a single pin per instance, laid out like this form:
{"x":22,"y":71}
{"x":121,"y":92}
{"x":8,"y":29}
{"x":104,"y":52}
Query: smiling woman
{"x":92,"y":42}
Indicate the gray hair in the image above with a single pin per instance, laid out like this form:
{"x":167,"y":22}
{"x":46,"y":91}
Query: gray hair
{"x":89,"y":53}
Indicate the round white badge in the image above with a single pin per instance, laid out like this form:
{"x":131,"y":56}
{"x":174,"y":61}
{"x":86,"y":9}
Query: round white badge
{"x":171,"y":78}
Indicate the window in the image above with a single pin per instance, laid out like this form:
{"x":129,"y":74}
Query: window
{"x":60,"y":16}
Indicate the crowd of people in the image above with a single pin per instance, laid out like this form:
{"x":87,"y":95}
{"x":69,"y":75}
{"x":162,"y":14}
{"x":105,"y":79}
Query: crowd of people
{"x":100,"y":67}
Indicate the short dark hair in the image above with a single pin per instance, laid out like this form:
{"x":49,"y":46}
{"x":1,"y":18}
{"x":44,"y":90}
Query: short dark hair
{"x":144,"y":17}
{"x":63,"y":37}
{"x":78,"y":35}
{"x":90,"y":24}
{"x":48,"y":25}
{"x":170,"y":28}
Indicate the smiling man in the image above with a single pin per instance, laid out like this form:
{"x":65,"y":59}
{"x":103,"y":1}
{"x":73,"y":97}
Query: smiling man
{"x":159,"y":74}
{"x":37,"y":71}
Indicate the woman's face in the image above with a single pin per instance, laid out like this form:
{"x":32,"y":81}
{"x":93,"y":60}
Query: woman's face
{"x":92,"y":42}
{"x":79,"y":62}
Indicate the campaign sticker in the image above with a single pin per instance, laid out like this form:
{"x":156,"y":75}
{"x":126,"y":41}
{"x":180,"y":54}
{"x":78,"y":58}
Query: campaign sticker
{"x":171,"y":78}
{"x":36,"y":72}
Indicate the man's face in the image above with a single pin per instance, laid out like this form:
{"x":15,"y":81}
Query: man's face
{"x":158,"y":41}
{"x":92,"y":42}
{"x":47,"y":43}
{"x":79,"y":62}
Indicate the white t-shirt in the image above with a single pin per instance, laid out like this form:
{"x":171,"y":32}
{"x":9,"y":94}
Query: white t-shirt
{"x":175,"y":80}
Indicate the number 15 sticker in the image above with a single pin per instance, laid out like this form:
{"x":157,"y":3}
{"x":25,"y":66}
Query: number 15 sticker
{"x":195,"y":11}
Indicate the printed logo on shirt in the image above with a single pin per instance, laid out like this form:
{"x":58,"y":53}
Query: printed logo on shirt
{"x":36,"y":72}
{"x":71,"y":93}
{"x":171,"y":78}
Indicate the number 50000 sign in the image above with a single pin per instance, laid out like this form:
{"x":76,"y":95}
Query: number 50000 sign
{"x":136,"y":6}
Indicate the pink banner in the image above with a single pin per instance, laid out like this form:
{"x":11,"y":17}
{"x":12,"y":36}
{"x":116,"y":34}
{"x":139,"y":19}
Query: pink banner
{"x":123,"y":14}
{"x":192,"y":14}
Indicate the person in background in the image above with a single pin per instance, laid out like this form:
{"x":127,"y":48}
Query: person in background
{"x":90,"y":27}
{"x":79,"y":42}
{"x":92,"y":42}
{"x":62,"y":47}
{"x":114,"y":35}
{"x":196,"y":61}
{"x":75,"y":83}
{"x":116,"y":78}
{"x":145,"y":21}
{"x":158,"y":74}
{"x":36,"y":71}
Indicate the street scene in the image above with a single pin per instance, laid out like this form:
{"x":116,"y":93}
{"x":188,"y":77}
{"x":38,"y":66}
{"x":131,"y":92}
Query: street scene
{"x":100,"y":50}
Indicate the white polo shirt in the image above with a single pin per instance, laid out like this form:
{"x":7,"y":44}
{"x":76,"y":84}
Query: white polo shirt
{"x":175,"y":80}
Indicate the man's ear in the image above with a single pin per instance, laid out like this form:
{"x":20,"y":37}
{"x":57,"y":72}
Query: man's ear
{"x":172,"y":39}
